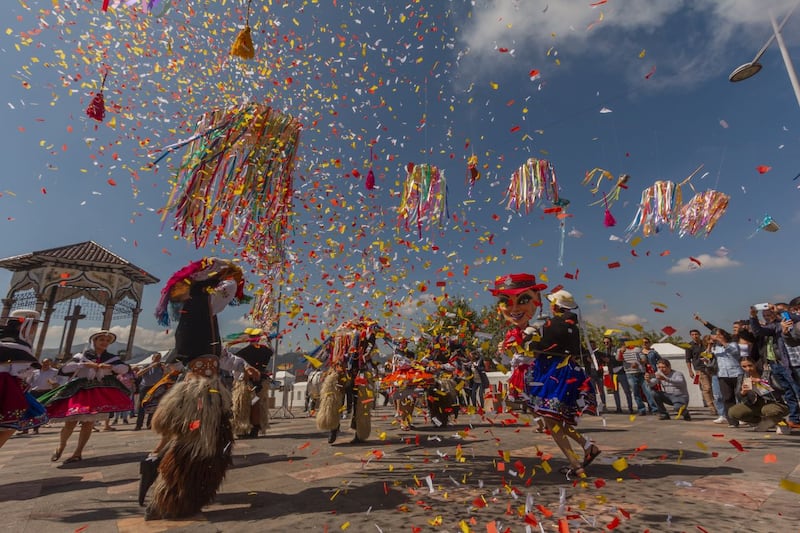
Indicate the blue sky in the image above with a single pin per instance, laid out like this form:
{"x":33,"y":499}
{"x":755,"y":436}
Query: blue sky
{"x":634,"y":87}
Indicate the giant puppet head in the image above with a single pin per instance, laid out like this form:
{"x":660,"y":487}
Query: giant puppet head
{"x":518,"y":298}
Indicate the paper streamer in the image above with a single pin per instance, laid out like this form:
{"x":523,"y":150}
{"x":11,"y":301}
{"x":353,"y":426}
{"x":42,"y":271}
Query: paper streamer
{"x":701,"y":214}
{"x":531,"y":184}
{"x":424,"y":200}
{"x":235,"y":181}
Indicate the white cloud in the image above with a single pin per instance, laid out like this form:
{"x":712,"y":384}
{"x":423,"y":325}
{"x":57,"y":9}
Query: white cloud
{"x":631,"y":319}
{"x":711,"y":29}
{"x":707,"y":262}
{"x":145,"y":338}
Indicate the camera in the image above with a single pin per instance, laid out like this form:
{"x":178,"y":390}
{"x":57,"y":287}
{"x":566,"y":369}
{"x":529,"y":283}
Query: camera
{"x":761,"y":307}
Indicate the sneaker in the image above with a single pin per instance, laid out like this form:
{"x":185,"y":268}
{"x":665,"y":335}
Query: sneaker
{"x":663,"y":417}
{"x":734,"y":425}
{"x":721,"y":420}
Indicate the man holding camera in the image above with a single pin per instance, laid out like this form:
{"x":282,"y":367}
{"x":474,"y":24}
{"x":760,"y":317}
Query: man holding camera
{"x":782,"y":358}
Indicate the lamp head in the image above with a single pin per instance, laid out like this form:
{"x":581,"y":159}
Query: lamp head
{"x":745,"y":71}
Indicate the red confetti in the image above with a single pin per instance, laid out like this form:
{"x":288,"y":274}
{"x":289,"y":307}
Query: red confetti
{"x":614,"y":523}
{"x":533,"y":74}
{"x":194,"y":424}
{"x":763,"y":169}
{"x":502,"y":50}
{"x":44,"y":191}
{"x":650,"y":74}
{"x":736,"y":444}
{"x":657,"y":310}
{"x":547,"y":513}
{"x":112,"y":182}
{"x":695,"y":260}
{"x":563,"y":525}
{"x":668,"y":330}
{"x":625,"y":513}
{"x":615,"y":264}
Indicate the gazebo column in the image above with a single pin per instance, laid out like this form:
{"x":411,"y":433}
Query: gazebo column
{"x":48,"y":312}
{"x":7,"y":303}
{"x":107,"y":315}
{"x":132,"y":332}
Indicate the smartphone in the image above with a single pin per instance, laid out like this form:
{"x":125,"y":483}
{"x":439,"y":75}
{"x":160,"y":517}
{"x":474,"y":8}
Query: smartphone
{"x":785,"y":315}
{"x":747,"y":383}
{"x":761,"y":307}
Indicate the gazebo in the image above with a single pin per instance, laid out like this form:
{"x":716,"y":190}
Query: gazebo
{"x":52,"y":281}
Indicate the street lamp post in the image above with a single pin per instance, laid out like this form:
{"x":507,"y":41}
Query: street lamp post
{"x":753,"y":67}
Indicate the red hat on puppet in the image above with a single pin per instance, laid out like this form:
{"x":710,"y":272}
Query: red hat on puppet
{"x":515,"y":284}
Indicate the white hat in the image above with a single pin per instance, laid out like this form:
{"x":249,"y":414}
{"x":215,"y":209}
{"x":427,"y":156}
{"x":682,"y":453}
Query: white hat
{"x":25,"y":313}
{"x":562,"y":299}
{"x":103,"y":333}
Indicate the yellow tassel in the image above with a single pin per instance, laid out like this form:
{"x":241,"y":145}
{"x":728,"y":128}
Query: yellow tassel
{"x":243,"y":45}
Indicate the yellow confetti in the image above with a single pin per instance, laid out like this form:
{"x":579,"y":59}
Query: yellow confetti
{"x":702,"y":446}
{"x":620,"y":464}
{"x":345,"y":526}
{"x":790,"y":485}
{"x":642,"y":53}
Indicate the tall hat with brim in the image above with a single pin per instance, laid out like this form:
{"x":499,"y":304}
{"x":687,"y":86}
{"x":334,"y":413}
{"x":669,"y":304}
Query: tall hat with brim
{"x":103,"y":333}
{"x":28,"y":319}
{"x":562,"y":299}
{"x":514,"y":284}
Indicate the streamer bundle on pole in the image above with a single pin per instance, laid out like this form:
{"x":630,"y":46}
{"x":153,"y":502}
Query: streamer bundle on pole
{"x":532,"y":183}
{"x":702,"y":212}
{"x":235,"y":180}
{"x":424,"y":199}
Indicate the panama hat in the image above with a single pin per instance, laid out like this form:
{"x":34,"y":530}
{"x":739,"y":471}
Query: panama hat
{"x":562,"y":299}
{"x":103,"y":333}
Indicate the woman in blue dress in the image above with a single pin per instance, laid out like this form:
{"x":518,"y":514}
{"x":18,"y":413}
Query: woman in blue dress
{"x":558,"y":389}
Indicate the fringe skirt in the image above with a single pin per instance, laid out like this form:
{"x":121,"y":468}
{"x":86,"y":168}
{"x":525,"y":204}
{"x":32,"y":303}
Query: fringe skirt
{"x":243,"y":397}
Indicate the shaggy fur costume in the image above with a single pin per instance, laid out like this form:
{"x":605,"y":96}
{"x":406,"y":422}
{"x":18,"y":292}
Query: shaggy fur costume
{"x":442,"y":401}
{"x":195,"y":415}
{"x":331,"y":401}
{"x":242,"y":404}
{"x":362,"y":419}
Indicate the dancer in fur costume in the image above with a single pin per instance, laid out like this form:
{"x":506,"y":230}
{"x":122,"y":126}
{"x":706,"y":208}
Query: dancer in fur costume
{"x":349,"y":380}
{"x":18,"y":409}
{"x":251,"y":384}
{"x":194,"y":417}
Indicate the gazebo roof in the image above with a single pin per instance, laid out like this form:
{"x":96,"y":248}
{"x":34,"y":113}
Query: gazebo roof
{"x":89,"y":254}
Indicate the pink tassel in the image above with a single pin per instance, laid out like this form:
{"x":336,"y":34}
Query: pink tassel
{"x":609,"y":220}
{"x":370,"y":180}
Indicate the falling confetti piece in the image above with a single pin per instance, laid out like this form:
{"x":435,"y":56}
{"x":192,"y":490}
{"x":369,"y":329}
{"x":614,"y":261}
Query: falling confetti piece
{"x":770,"y":458}
{"x":763,"y":169}
{"x":790,"y":485}
{"x":620,"y":464}
{"x":736,"y":444}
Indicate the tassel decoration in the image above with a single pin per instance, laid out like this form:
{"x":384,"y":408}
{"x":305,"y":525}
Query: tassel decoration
{"x":97,"y":108}
{"x":609,"y":221}
{"x":243,"y":45}
{"x":370,"y":184}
